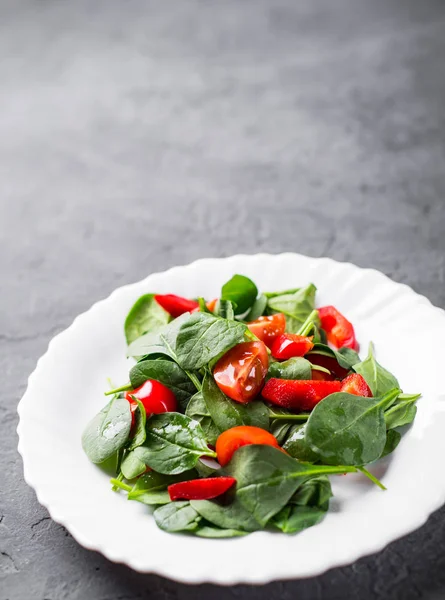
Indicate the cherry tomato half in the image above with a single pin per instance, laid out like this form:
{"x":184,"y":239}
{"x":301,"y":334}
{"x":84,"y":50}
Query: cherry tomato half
{"x":268,"y":328}
{"x":356,"y":384}
{"x":176,"y":305}
{"x":155,"y":397}
{"x":288,"y":345}
{"x":241,"y":371}
{"x":339,"y":330}
{"x":232,"y":439}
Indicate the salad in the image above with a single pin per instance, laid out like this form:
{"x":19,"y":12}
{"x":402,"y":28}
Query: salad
{"x":238,"y":409}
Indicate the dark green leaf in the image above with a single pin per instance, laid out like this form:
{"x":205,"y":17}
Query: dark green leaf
{"x":133,"y":464}
{"x":266,"y":478}
{"x":293,"y":368}
{"x":297,"y":447}
{"x":230,"y":515}
{"x":177,"y":516}
{"x":258,"y":308}
{"x":168,"y":373}
{"x":203,"y":337}
{"x":296,"y":306}
{"x":208,"y":531}
{"x":379,"y":379}
{"x":393,"y":438}
{"x":226,"y":413}
{"x":138,"y":430}
{"x":197,"y":410}
{"x":224,"y":309}
{"x":347,"y":429}
{"x":162,"y":342}
{"x":241,"y":291}
{"x":400,"y":414}
{"x":108,"y":431}
{"x":145,"y":315}
{"x":281,"y":293}
{"x":281,"y":430}
{"x":345,"y":357}
{"x":174,"y":444}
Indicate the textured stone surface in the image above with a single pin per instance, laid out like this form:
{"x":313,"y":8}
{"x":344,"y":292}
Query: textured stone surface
{"x":137,"y":135}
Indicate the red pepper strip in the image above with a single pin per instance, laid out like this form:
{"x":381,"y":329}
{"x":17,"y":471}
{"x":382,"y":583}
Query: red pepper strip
{"x":200,"y":489}
{"x":175,"y":305}
{"x":356,"y":384}
{"x":339,"y":330}
{"x":288,"y":345}
{"x":298,"y":394}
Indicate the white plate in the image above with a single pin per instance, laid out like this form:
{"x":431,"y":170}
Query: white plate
{"x":66,"y":390}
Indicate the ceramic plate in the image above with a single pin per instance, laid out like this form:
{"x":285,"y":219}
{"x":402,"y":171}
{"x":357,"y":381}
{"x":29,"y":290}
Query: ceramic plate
{"x":362,"y":519}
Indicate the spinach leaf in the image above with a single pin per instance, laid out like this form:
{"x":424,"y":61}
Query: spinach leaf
{"x":293,"y":368}
{"x":133,"y":463}
{"x":177,"y":516}
{"x":108,"y":431}
{"x":140,"y":419}
{"x":151,"y":488}
{"x":346,"y":357}
{"x":203,"y":337}
{"x":296,"y":306}
{"x":393,"y":438}
{"x":379,"y":379}
{"x":225,"y":309}
{"x":347,"y":429}
{"x":161,"y":342}
{"x":307,"y":507}
{"x":174,"y":444}
{"x":209,"y":531}
{"x":402,"y":413}
{"x":241,"y":291}
{"x":226,"y":413}
{"x":281,"y":430}
{"x":145,"y":315}
{"x":297,"y":447}
{"x":282,"y":293}
{"x":266,"y":478}
{"x":258,"y":308}
{"x":227,"y":515}
{"x":197,"y":410}
{"x":167,"y":372}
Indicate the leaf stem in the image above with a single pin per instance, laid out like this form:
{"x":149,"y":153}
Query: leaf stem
{"x":194,"y":379}
{"x":372,"y":478}
{"x":288,"y":417}
{"x":123,"y":388}
{"x":407,"y":398}
{"x":308,"y":324}
{"x":118,"y":483}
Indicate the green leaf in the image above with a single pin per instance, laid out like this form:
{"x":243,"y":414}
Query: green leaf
{"x":400,"y":414}
{"x":230,"y":515}
{"x":133,"y":464}
{"x":393,"y":438}
{"x":266,"y":478}
{"x":226,"y":413}
{"x":293,"y":368}
{"x":177,"y":516}
{"x":197,"y":410}
{"x":347,"y":429}
{"x":258,"y":309}
{"x":151,"y":488}
{"x":379,"y":379}
{"x":174,"y":444}
{"x":145,"y":315}
{"x":280,"y":430}
{"x":225,"y":309}
{"x":161,"y":342}
{"x":208,"y":531}
{"x":297,"y":447}
{"x":108,"y":431}
{"x":203,"y":337}
{"x":241,"y":291}
{"x":345,"y":357}
{"x":166,"y":372}
{"x":282,"y":293}
{"x":140,"y":419}
{"x":297,"y":306}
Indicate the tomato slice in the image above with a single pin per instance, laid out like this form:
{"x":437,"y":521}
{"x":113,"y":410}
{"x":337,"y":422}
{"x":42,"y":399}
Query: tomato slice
{"x":356,"y":384}
{"x":298,"y":394}
{"x":200,"y":489}
{"x":156,"y":397}
{"x":176,"y":305}
{"x":268,"y":328}
{"x":288,"y":345}
{"x":339,"y":330}
{"x":240,"y":373}
{"x":232,"y":439}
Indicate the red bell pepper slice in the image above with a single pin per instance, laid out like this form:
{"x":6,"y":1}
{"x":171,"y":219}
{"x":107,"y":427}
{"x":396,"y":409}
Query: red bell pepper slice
{"x":298,"y":394}
{"x":356,"y":384}
{"x":339,"y":330}
{"x":176,"y":305}
{"x":200,"y":489}
{"x":288,"y":345}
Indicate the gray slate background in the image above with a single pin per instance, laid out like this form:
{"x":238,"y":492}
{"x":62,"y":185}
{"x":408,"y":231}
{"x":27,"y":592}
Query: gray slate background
{"x":135,"y":135}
